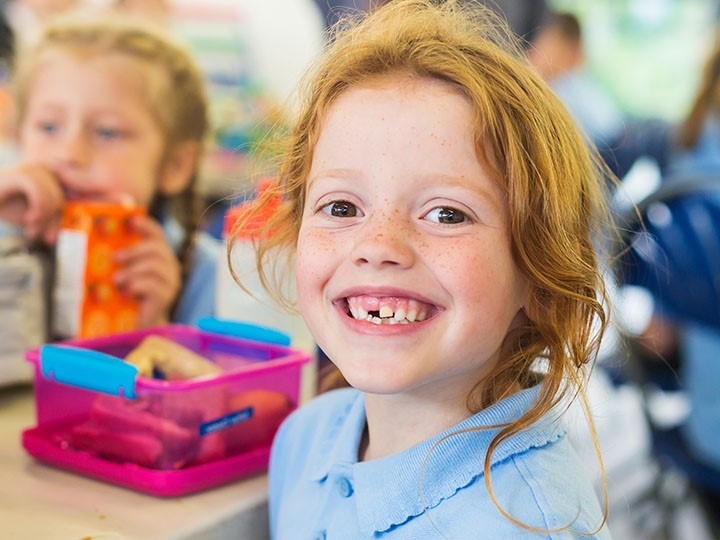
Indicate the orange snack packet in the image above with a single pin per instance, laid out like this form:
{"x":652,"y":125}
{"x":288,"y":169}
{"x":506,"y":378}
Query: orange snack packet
{"x":86,"y":302}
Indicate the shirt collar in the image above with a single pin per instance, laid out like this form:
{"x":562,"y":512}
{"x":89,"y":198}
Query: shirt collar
{"x":443,"y":464}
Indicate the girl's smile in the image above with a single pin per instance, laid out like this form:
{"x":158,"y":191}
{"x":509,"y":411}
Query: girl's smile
{"x":388,"y":310}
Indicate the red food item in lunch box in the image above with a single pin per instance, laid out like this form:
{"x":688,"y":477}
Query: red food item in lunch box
{"x":124,"y":430}
{"x":191,"y":410}
{"x":269,"y":409}
{"x":135,"y":448}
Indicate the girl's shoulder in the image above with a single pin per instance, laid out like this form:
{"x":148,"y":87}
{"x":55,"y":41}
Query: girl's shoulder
{"x":557,"y":481}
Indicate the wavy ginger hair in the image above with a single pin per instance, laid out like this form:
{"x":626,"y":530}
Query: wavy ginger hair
{"x":525,"y":139}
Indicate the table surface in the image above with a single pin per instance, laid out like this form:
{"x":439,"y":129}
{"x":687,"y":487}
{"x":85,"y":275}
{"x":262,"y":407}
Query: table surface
{"x":39,"y":501}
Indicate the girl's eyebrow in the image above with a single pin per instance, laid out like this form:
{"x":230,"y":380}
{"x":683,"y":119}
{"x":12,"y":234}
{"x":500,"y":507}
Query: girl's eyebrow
{"x":47,"y":106}
{"x":336,"y":173}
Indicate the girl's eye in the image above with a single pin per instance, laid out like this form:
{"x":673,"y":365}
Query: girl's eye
{"x":107,"y":133}
{"x":49,"y":128}
{"x":342,"y":209}
{"x":446,"y":215}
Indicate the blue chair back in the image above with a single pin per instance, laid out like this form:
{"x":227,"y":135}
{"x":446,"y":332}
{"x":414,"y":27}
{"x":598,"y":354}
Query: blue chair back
{"x":674,"y":249}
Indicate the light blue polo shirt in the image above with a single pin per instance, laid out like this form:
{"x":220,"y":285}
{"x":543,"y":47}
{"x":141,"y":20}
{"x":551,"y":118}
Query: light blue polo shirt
{"x":319,"y":490}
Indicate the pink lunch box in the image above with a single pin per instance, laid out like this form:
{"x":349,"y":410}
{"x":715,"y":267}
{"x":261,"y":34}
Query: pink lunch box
{"x":98,"y":418}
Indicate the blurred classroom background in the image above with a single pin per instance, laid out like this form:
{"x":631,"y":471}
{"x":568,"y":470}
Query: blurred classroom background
{"x":646,"y":56}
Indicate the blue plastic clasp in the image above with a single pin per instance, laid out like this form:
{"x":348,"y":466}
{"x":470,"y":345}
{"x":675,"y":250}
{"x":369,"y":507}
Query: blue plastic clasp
{"x":244,"y":330}
{"x":88,"y":369}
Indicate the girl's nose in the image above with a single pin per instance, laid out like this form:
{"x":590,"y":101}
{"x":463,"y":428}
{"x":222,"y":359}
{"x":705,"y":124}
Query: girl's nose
{"x":383,"y":242}
{"x":72,"y":150}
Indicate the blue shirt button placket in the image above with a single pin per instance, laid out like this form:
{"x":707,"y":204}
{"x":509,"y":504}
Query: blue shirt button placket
{"x":344,"y":487}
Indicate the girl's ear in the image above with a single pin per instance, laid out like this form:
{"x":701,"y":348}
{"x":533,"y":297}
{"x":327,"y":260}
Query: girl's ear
{"x":179,"y":167}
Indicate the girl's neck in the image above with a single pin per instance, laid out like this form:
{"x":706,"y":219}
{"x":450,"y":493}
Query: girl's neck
{"x":395,"y":423}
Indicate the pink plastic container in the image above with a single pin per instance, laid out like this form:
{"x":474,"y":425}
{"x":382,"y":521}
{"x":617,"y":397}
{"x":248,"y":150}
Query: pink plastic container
{"x":98,"y":418}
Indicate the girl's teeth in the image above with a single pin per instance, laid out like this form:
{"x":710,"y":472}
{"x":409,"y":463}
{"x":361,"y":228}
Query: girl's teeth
{"x":387,"y":315}
{"x":385,"y":312}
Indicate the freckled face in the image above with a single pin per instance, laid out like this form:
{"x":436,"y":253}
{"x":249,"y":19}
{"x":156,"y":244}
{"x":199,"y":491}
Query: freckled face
{"x":404,"y":272}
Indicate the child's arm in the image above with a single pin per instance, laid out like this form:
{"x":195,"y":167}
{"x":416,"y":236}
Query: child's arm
{"x":31,"y":198}
{"x":150,"y":271}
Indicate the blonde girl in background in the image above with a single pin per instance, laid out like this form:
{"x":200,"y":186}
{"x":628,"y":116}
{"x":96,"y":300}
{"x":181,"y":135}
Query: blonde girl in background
{"x":441,"y":209}
{"x":108,"y":110}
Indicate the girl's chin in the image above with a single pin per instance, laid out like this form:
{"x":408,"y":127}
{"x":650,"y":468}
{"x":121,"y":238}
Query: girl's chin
{"x":373,"y":381}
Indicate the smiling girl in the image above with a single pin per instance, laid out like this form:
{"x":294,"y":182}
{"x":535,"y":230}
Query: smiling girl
{"x":442,"y":209}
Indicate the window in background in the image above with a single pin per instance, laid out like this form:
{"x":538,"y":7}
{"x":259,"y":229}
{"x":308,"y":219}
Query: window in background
{"x":647,"y":53}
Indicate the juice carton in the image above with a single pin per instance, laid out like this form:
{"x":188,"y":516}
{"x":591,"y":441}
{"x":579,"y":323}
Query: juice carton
{"x":86,"y":302}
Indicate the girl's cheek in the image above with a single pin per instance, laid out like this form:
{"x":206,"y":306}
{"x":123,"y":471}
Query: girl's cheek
{"x":316,"y":252}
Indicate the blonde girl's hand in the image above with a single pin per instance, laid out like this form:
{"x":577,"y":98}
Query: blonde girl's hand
{"x":31,"y":198}
{"x":150,"y":271}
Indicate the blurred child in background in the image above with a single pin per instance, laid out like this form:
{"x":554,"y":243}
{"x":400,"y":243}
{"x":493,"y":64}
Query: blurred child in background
{"x":558,"y":52}
{"x":110,"y":111}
